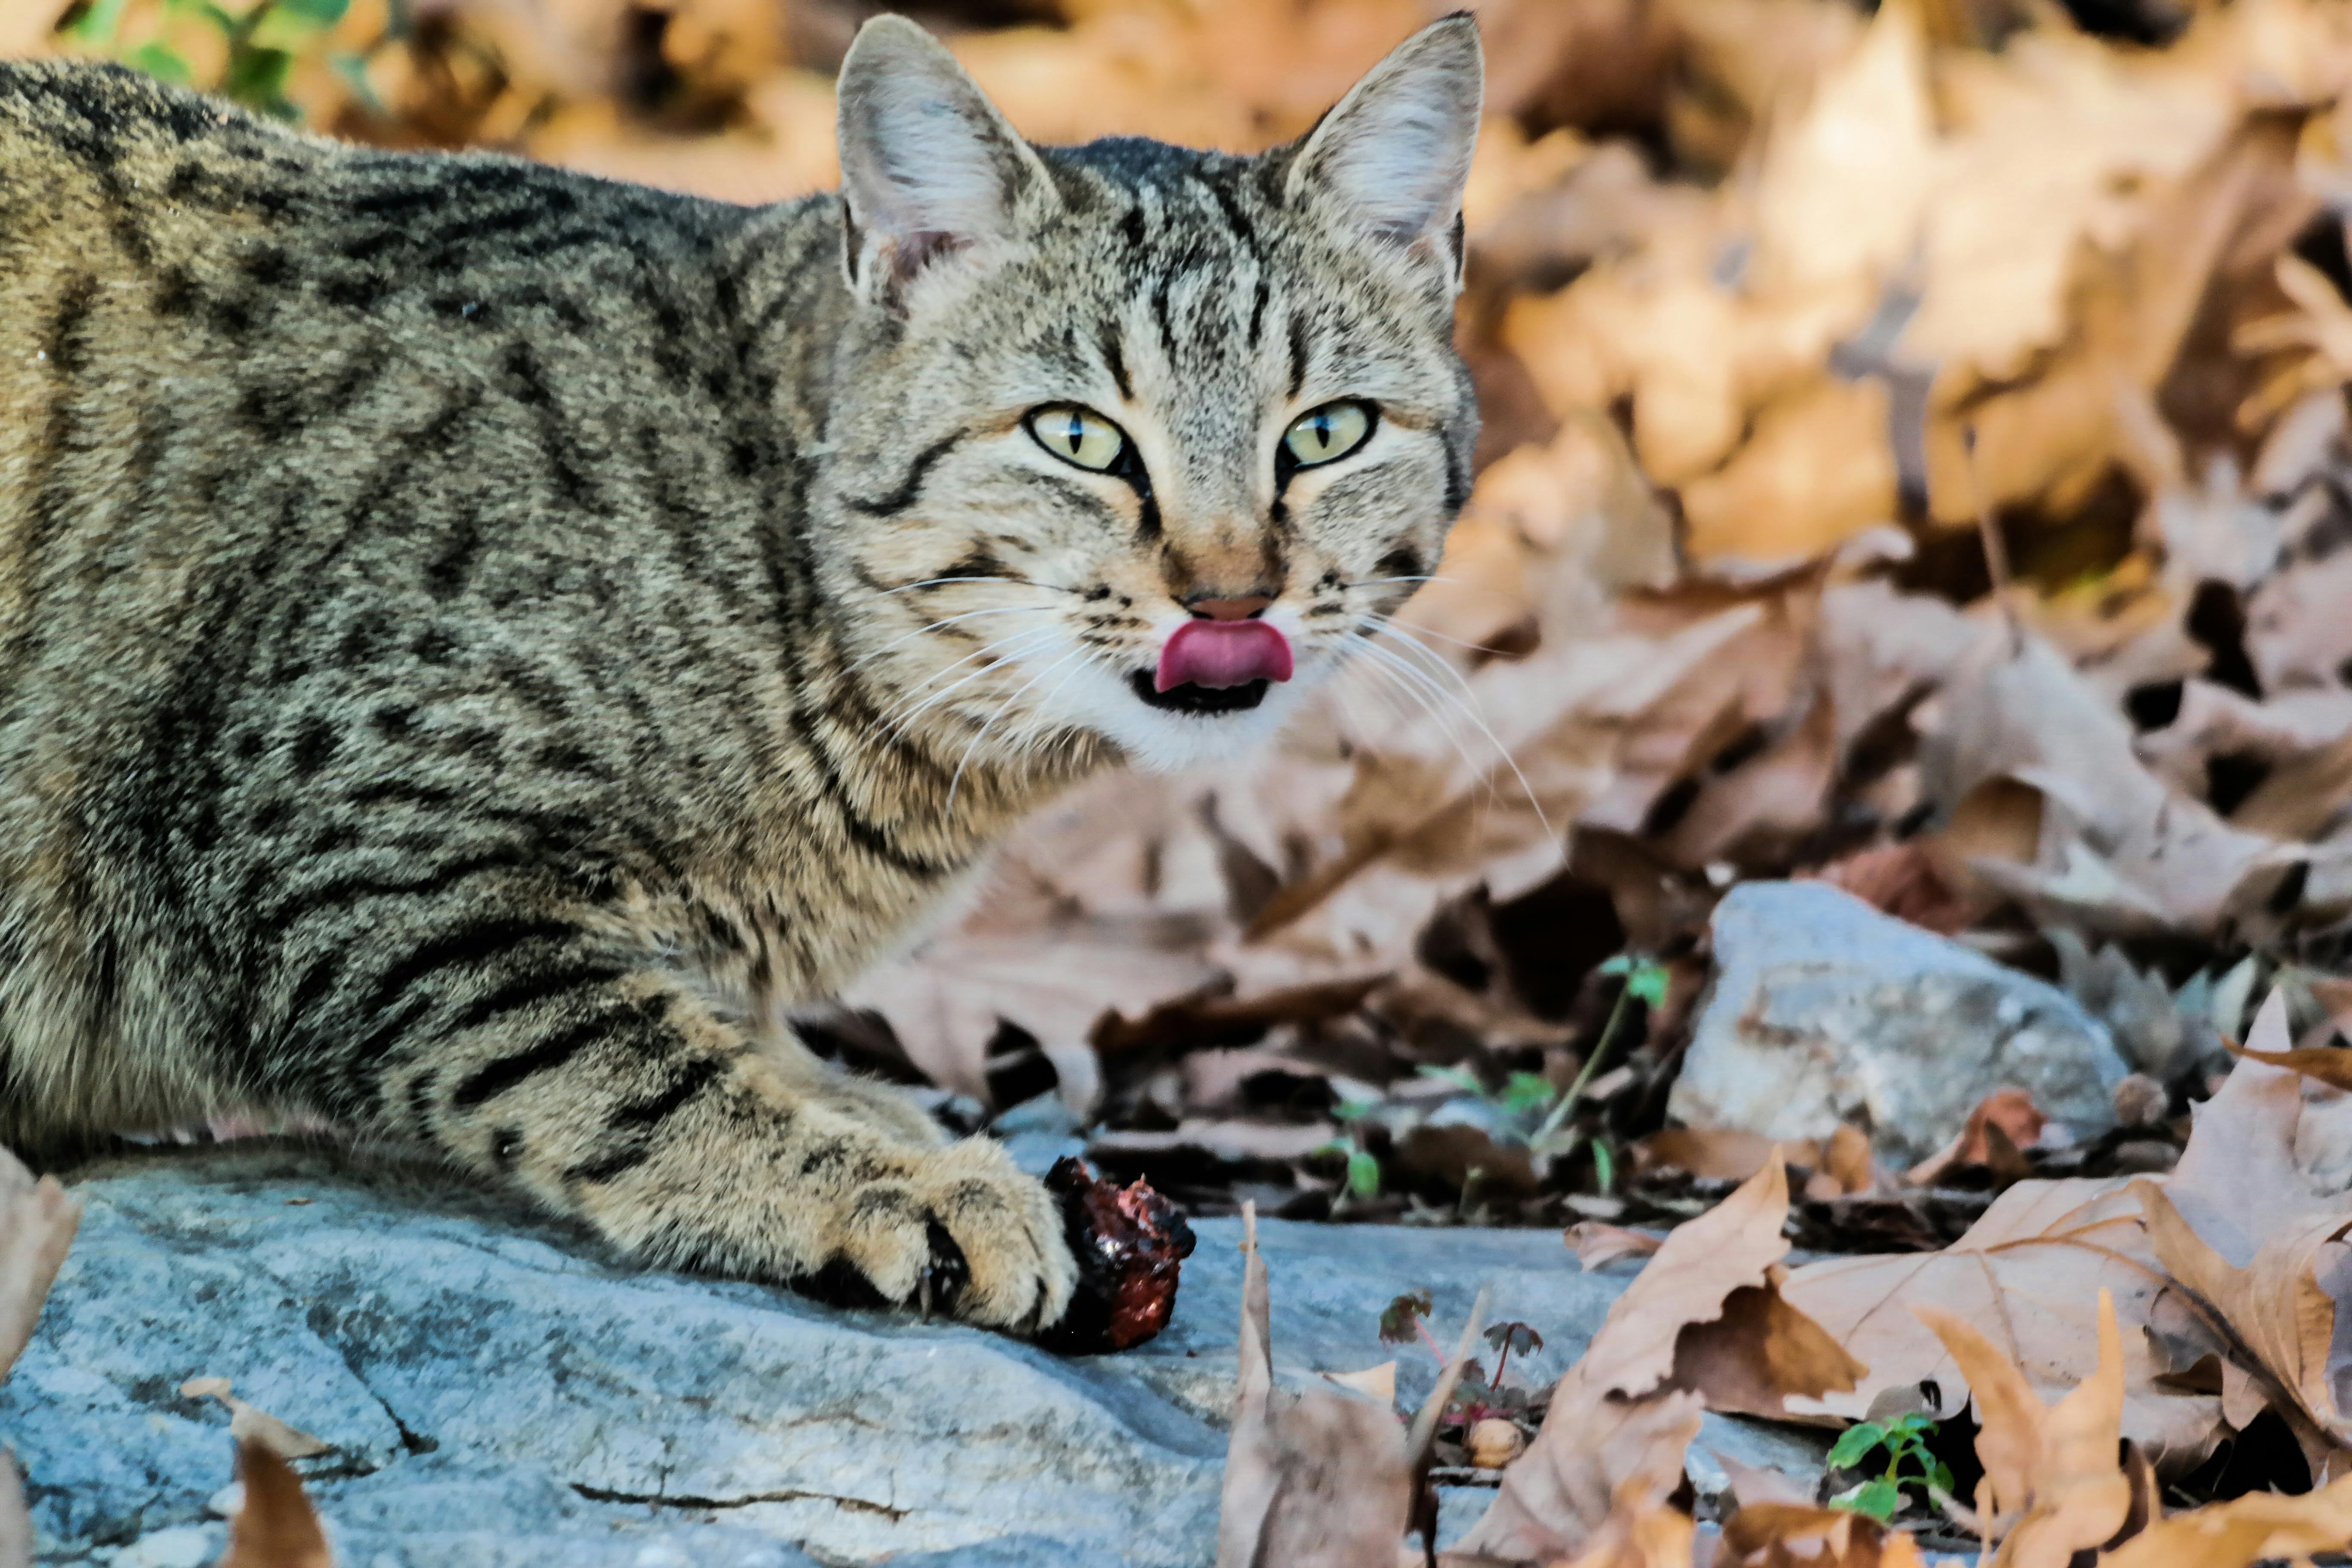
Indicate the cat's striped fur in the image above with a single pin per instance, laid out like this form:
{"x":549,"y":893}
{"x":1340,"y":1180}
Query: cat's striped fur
{"x":476,"y":640}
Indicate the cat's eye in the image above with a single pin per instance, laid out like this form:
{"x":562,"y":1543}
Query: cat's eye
{"x":1078,"y":436}
{"x":1331,"y":431}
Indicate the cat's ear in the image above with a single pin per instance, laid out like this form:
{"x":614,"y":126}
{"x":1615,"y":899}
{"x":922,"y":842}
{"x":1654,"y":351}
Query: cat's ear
{"x":929,"y":168}
{"x":1391,"y":157}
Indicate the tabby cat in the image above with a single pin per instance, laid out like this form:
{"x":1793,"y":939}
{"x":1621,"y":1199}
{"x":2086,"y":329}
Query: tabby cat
{"x":476,"y":640}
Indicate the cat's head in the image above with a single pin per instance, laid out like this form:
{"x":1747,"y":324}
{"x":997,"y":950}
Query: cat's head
{"x":1136,"y":441}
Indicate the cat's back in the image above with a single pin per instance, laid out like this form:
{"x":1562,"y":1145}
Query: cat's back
{"x":144,"y":225}
{"x":219,"y":336}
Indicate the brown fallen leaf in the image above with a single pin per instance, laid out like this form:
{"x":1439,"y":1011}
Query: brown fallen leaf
{"x":253,"y":1426}
{"x":1906,"y":881}
{"x":1373,"y":1383}
{"x":1598,"y":1244}
{"x":2115,"y":851}
{"x":1596,"y":1460}
{"x":2260,"y":1526}
{"x":2009,"y":1414}
{"x":1321,"y":1477}
{"x":2330,"y":1065}
{"x":1719,"y":1153}
{"x":37,"y":1220}
{"x":1785,"y":1535}
{"x":15,"y":1523}
{"x":1705,"y":1313}
{"x":1703,"y":1324}
{"x":276,"y":1527}
{"x":2077,"y":1496}
{"x":2004,"y":1123}
{"x":2238,"y":1225}
{"x":1642,"y":1530}
{"x":2025,"y":1274}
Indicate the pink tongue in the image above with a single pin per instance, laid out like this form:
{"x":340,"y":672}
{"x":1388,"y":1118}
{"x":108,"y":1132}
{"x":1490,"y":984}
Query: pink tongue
{"x":1222,"y":653}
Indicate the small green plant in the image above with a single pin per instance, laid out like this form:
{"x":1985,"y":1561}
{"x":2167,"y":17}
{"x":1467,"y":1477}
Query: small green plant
{"x":1645,"y":980}
{"x":1363,"y":1179}
{"x":266,"y":39}
{"x":1909,"y":1462}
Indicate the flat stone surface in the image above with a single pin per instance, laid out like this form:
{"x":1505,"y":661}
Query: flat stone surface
{"x":500,"y":1395}
{"x":1823,"y":1010}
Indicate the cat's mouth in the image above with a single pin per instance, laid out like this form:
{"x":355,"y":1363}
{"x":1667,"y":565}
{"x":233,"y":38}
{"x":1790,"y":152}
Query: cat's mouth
{"x":1192,"y":698}
{"x":1215,"y":666}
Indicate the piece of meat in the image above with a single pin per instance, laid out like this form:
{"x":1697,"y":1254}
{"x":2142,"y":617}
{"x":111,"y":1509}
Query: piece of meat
{"x":1130,"y":1243}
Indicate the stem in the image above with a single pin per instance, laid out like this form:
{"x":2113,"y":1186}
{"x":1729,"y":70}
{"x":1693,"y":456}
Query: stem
{"x":1502,"y":1363}
{"x":1434,"y":1348}
{"x":1591,"y":1064}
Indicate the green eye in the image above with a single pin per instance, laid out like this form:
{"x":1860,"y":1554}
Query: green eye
{"x":1078,"y":436}
{"x":1332,"y":431}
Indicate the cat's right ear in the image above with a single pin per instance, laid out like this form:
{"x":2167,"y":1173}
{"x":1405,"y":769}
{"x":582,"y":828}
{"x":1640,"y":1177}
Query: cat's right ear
{"x":930,"y":169}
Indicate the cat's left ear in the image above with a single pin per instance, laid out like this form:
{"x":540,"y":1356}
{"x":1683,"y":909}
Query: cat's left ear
{"x":1391,"y":157}
{"x":930,"y":169}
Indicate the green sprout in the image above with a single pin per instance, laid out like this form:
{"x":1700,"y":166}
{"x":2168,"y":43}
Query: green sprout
{"x":1363,"y":1165}
{"x":1645,"y":979}
{"x":1909,"y":1461}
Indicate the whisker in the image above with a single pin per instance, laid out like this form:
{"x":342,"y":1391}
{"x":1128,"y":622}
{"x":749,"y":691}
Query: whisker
{"x":899,"y":717}
{"x":1023,"y":581}
{"x":1459,"y":642}
{"x":956,"y":782}
{"x":1047,"y":728}
{"x":1382,"y":581}
{"x":935,"y":626}
{"x":1399,"y":715}
{"x":1418,"y":687}
{"x":1467,"y":704}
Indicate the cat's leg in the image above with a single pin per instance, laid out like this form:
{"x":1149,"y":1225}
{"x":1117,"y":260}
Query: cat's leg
{"x":861,"y":1099}
{"x":619,"y":1096}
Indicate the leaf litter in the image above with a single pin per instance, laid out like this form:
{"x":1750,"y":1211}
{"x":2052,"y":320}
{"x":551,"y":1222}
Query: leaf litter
{"x":1917,"y":460}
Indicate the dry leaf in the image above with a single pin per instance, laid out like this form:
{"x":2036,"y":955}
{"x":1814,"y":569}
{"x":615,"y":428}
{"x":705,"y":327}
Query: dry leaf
{"x":2330,"y":1065}
{"x":1598,"y":1244}
{"x":1719,"y":1154}
{"x":1642,"y":1531}
{"x":275,"y":1528}
{"x":2078,"y":1497}
{"x":1906,"y":881}
{"x":2004,"y":1123}
{"x":2235,"y":1534}
{"x":250,"y":1426}
{"x":2237,"y":1224}
{"x":15,"y":1522}
{"x":1777,"y":1534}
{"x":37,"y":1227}
{"x":2008,"y":1416}
{"x":1377,"y":1383}
{"x":1702,"y":1324}
{"x":2117,"y":851}
{"x":2026,"y":1275}
{"x":1558,"y":1498}
{"x":1318,"y":1477}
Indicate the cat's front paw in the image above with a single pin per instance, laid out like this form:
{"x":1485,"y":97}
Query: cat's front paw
{"x":962,"y":1229}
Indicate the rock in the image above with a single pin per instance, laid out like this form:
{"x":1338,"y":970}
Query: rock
{"x":500,"y":1396}
{"x":1798,"y":1453}
{"x":1823,"y":1011}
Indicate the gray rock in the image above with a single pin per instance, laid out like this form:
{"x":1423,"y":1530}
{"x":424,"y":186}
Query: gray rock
{"x":1824,"y":1010}
{"x":1798,"y":1453}
{"x":502,"y":1397}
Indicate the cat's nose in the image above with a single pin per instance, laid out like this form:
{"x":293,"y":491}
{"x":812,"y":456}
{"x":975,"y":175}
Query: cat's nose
{"x":1239,"y":609}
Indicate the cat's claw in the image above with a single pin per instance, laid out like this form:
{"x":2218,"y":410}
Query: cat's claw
{"x":945,"y":1276}
{"x":962,"y":1230}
